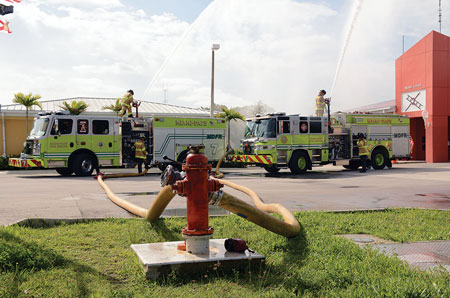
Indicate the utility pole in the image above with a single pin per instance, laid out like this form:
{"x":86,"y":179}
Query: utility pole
{"x":440,"y":14}
{"x":211,"y":109}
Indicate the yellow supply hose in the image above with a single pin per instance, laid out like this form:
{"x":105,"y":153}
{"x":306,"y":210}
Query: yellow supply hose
{"x":289,"y":228}
{"x":152,"y":214}
{"x":163,"y":198}
{"x":259,"y":217}
{"x":218,"y":173}
{"x":125,"y":175}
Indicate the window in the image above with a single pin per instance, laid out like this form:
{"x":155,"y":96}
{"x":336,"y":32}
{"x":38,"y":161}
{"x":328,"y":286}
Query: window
{"x":39,"y":127}
{"x":100,"y":127}
{"x":315,"y":127}
{"x":303,"y":126}
{"x":285,"y":126}
{"x":62,"y":127}
{"x":83,"y":127}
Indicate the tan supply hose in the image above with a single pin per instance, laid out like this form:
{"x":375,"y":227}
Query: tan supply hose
{"x":289,"y":228}
{"x":125,"y":175}
{"x":164,"y":197}
{"x":259,"y":217}
{"x":218,"y":173}
{"x":153,"y":213}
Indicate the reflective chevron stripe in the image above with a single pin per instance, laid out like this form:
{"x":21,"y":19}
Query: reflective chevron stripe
{"x":25,"y":163}
{"x":261,"y":159}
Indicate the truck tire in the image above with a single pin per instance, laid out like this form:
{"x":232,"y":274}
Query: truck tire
{"x":379,"y":159}
{"x":272,"y":169}
{"x":64,"y":171}
{"x":299,"y":162}
{"x":83,"y":165}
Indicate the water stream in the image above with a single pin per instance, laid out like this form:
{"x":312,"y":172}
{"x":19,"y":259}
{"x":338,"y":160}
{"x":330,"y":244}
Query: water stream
{"x":348,"y":36}
{"x":175,"y":48}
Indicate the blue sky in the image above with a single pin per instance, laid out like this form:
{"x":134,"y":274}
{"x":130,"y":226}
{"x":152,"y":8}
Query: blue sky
{"x":187,"y":10}
{"x":280,"y":52}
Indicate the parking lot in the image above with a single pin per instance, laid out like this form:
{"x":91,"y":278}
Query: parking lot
{"x":45,"y":194}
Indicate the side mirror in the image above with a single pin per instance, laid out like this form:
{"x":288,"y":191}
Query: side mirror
{"x":57,"y":127}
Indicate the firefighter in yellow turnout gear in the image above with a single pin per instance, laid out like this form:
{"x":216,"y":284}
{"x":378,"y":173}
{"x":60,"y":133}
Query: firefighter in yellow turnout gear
{"x":320,"y":103}
{"x":141,"y":153}
{"x":126,"y":102}
{"x":363,"y":149}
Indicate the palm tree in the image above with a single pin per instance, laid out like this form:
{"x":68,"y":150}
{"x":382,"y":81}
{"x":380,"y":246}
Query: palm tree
{"x":230,"y":114}
{"x":75,"y":108}
{"x":116,"y":108}
{"x":28,"y":101}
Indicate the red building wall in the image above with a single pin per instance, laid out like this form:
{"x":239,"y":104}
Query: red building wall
{"x":425,"y":69}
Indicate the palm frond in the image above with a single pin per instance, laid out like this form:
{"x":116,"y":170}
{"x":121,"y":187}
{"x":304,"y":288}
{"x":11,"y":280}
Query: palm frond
{"x":75,"y":107}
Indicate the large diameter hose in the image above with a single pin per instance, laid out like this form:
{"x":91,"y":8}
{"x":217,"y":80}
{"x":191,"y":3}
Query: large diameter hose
{"x":152,"y":214}
{"x":289,"y":228}
{"x":125,"y":175}
{"x":259,"y":217}
{"x":218,"y":173}
{"x":163,"y":198}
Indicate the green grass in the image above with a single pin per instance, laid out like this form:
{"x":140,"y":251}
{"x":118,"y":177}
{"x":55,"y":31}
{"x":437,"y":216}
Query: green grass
{"x":94,"y":259}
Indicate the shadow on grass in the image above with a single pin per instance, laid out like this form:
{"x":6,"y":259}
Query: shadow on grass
{"x":21,"y":257}
{"x":169,"y":234}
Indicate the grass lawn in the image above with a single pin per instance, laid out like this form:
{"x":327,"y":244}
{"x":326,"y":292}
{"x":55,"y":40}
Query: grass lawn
{"x":94,"y":259}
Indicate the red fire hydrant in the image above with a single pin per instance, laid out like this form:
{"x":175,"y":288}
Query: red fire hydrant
{"x":196,"y":187}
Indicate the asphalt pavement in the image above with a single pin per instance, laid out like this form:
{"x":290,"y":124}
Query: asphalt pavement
{"x":44,"y":194}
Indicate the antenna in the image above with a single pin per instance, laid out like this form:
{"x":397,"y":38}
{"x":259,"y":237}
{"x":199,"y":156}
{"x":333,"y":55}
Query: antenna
{"x":440,"y":14}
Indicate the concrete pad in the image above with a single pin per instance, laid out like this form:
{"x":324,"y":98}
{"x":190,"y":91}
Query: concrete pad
{"x":160,"y":259}
{"x":422,"y":255}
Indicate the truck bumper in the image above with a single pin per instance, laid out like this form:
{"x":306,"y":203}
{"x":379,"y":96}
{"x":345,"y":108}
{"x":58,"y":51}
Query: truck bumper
{"x":25,"y":163}
{"x":248,"y":158}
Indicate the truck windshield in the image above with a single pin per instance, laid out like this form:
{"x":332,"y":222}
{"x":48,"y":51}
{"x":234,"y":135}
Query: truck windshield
{"x":261,"y":128}
{"x":39,"y":127}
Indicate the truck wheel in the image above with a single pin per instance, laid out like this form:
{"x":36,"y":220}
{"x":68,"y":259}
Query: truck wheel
{"x":272,"y":169}
{"x":83,"y":165}
{"x":299,"y":162}
{"x":379,"y":159}
{"x":64,"y":171}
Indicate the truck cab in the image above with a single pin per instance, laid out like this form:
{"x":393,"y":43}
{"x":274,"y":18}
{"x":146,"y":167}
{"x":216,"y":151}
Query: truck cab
{"x":71,"y":143}
{"x":280,"y":141}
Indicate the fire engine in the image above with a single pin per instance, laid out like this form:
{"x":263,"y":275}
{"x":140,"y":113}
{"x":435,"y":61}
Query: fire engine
{"x":79,"y":144}
{"x":278,"y":141}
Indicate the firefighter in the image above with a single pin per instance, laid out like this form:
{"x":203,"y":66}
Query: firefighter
{"x":140,"y":153}
{"x":126,"y":102}
{"x":363,"y":150}
{"x":320,"y":103}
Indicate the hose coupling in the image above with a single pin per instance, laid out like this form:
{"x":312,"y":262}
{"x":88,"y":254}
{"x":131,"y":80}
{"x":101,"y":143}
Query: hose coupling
{"x":215,"y":197}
